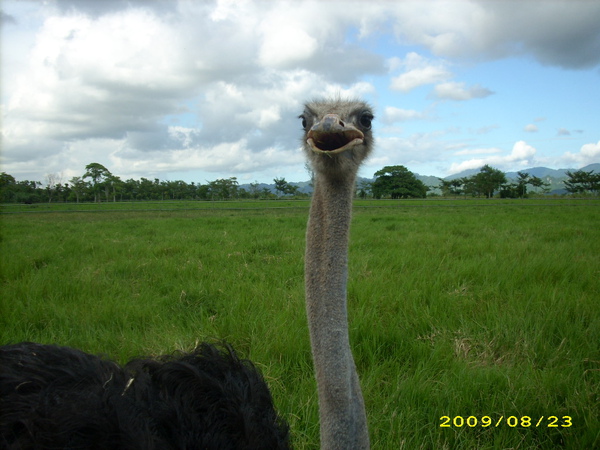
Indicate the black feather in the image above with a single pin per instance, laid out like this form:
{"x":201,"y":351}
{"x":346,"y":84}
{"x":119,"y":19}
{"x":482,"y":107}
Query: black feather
{"x":58,"y":397}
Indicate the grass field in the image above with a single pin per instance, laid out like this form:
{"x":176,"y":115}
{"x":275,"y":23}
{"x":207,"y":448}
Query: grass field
{"x":484,"y":312}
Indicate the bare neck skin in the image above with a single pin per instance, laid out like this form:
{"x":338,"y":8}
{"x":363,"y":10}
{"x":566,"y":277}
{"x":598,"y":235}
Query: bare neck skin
{"x":341,"y":405}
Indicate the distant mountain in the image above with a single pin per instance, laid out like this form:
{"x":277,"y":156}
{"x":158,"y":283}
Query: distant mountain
{"x":428,"y":180}
{"x":540,"y":172}
{"x":464,"y":173}
{"x":595,"y":167}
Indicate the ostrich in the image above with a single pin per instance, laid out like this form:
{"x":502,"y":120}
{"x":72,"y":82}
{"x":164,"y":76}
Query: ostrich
{"x":337,"y":138}
{"x":60,"y":397}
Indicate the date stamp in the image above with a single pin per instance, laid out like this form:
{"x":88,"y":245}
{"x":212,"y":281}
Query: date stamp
{"x":511,"y":421}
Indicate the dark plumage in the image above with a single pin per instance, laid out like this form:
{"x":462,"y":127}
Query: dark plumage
{"x":60,"y":397}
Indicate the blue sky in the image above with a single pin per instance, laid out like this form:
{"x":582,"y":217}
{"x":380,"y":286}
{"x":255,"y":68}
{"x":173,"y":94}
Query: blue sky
{"x":204,"y":90}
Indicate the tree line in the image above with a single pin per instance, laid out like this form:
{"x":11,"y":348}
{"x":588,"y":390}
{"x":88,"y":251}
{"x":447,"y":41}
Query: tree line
{"x":490,"y":182}
{"x":398,"y":182}
{"x":98,"y":184}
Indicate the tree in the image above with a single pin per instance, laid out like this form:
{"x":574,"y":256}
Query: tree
{"x":284,"y":187}
{"x":115,"y":184}
{"x":291,"y":189}
{"x":523,"y":179}
{"x":398,"y":182}
{"x":8,"y":186}
{"x":99,"y":175}
{"x":488,"y":180}
{"x":537,"y":182}
{"x":281,"y":185}
{"x":28,"y":191}
{"x":146,"y":189}
{"x":223,"y":188}
{"x":77,"y":186}
{"x":451,"y":187}
{"x":53,"y":180}
{"x":365,"y":189}
{"x":266,"y":193}
{"x":254,"y":190}
{"x":581,"y":181}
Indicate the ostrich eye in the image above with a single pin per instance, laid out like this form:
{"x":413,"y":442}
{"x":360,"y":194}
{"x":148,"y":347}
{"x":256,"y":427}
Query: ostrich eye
{"x":303,"y":121}
{"x":365,"y":120}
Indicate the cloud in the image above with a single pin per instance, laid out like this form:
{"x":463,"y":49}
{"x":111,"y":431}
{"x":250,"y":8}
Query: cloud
{"x":416,"y":150}
{"x":478,"y":151}
{"x":6,"y":19}
{"x":285,"y":45}
{"x":459,"y":91}
{"x":191,"y":80}
{"x":392,"y":114}
{"x":561,"y":33}
{"x":419,"y":71}
{"x":97,"y":8}
{"x":522,"y":154}
{"x":82,"y":85}
{"x":531,"y":128}
{"x":588,"y":154}
{"x":154,"y":85}
{"x":563,"y":132}
{"x":485,"y":129}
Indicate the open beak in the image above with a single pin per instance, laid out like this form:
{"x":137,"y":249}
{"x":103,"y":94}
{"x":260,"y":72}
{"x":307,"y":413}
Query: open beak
{"x":332,"y":136}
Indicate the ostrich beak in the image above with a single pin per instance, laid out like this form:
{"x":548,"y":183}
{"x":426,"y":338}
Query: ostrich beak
{"x":332,"y":136}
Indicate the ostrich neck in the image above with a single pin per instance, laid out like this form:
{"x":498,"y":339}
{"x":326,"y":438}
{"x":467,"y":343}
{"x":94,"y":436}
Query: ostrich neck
{"x":341,"y":406}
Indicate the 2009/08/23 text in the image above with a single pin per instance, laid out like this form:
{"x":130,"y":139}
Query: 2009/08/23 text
{"x":511,"y":421}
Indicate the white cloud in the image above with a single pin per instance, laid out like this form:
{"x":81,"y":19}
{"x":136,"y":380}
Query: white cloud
{"x":419,"y":71}
{"x":210,"y":86}
{"x":285,"y":45}
{"x":588,"y":154}
{"x":142,"y":85}
{"x":459,"y":91}
{"x":478,"y":151}
{"x":392,"y":114}
{"x":522,"y":155}
{"x":414,"y":151}
{"x":485,"y":129}
{"x":418,"y":77}
{"x":531,"y":128}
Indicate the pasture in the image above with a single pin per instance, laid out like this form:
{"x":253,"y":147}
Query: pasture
{"x":474,"y":323}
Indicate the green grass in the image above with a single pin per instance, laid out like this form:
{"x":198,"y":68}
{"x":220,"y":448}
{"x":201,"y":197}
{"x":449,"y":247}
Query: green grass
{"x":457,"y":308}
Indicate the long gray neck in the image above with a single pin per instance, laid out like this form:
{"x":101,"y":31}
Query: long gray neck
{"x":341,"y":406}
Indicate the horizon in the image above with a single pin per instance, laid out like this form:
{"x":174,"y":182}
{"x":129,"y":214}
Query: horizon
{"x":59,"y":179}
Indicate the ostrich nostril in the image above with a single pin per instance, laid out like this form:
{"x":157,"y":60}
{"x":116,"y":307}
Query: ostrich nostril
{"x":329,"y":122}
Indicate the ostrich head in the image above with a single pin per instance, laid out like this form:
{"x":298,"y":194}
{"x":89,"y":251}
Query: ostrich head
{"x":337,"y":135}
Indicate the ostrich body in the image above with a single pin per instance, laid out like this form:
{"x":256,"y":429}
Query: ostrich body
{"x":337,"y":139}
{"x":62,"y":398}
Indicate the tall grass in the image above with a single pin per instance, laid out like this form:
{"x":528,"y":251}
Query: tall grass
{"x":457,"y":308}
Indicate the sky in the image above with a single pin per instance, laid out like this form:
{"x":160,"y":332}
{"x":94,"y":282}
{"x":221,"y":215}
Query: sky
{"x":201,"y":90}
